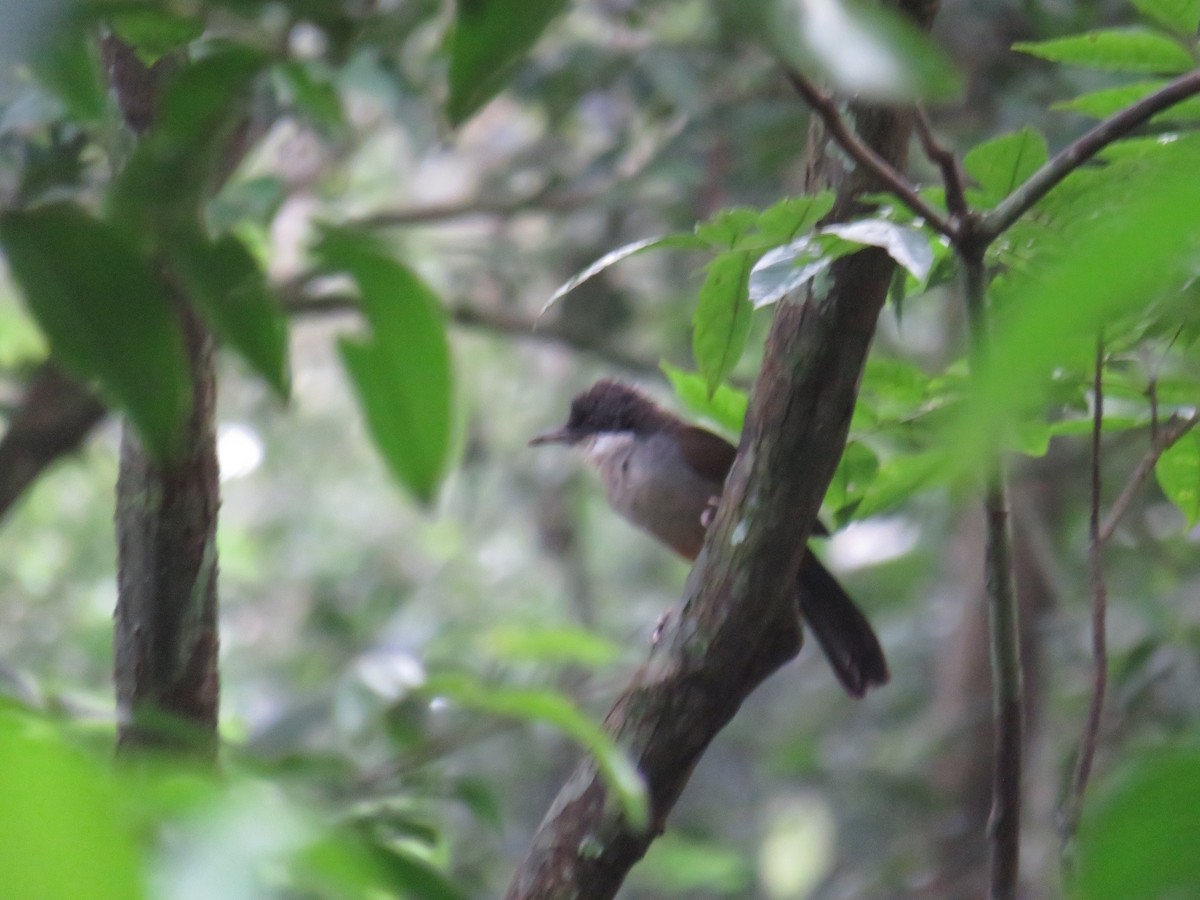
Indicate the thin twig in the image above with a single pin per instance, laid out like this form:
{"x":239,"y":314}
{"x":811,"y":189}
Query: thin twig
{"x":1080,"y":150}
{"x":542,"y":200}
{"x":891,"y":179}
{"x":1073,"y":807}
{"x":1166,"y":437}
{"x":1004,"y":825}
{"x":498,"y":321}
{"x":947,"y":162}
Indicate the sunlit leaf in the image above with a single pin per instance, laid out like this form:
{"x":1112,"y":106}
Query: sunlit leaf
{"x":61,"y":829}
{"x":231,"y":292}
{"x":1135,"y":831}
{"x":728,"y":228}
{"x":1003,"y":163}
{"x":401,"y":369}
{"x":679,"y":241}
{"x":105,"y":313}
{"x":541,"y":705}
{"x":726,"y":405}
{"x":853,"y":477}
{"x":1178,"y":473}
{"x":1137,"y":50}
{"x":906,"y":245}
{"x":865,"y":49}
{"x":568,"y":645}
{"x":721,"y":321}
{"x":791,"y":217}
{"x":1180,"y":16}
{"x":488,"y":40}
{"x":1103,"y":103}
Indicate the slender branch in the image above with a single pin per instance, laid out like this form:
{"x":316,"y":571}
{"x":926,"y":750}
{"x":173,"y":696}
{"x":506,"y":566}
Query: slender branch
{"x":1004,"y":826}
{"x":887,"y":174}
{"x":543,"y":200}
{"x":1163,"y":439}
{"x":498,"y":321}
{"x":947,"y":162}
{"x":1073,"y":807}
{"x":1080,"y":150}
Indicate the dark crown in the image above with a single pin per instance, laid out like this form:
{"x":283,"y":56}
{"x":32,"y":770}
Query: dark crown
{"x":612,"y":406}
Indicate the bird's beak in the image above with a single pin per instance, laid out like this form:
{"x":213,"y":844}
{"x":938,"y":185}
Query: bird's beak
{"x":558,"y":436}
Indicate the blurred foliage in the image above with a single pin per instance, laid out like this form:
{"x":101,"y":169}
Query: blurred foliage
{"x":398,"y":683}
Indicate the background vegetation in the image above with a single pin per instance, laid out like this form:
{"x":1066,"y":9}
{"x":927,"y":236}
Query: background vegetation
{"x":421,"y":619}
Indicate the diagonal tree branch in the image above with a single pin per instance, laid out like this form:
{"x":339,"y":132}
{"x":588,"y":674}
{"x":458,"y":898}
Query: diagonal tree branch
{"x":736,"y":624}
{"x":1079,"y":151}
{"x":886,"y":173}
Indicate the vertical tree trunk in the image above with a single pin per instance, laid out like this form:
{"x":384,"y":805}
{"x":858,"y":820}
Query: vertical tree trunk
{"x":165,"y":641}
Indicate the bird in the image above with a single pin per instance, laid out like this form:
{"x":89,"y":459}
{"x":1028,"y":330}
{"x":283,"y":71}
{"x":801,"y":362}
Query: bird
{"x":665,"y":476}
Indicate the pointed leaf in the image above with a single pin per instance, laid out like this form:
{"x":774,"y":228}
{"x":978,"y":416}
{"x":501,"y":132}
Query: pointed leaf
{"x":683,"y":241}
{"x":153,"y":32}
{"x":788,"y":219}
{"x":1103,"y":103}
{"x":721,"y":321}
{"x":726,"y":406}
{"x":1136,"y":50}
{"x":106,"y":315}
{"x":231,"y":292}
{"x":488,"y":40}
{"x":168,"y":177}
{"x":1003,"y":163}
{"x":1179,"y":16}
{"x":542,"y":705}
{"x":906,"y":245}
{"x":1178,"y":473}
{"x":68,"y":64}
{"x":401,"y":370}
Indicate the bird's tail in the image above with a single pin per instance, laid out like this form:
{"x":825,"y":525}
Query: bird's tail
{"x":845,"y":635}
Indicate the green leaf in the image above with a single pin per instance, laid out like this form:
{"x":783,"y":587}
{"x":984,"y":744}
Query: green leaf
{"x":855,"y":473}
{"x":569,"y":645}
{"x":68,"y":64}
{"x":401,"y":371}
{"x":1136,"y":836}
{"x":726,"y":406}
{"x":1103,"y":103}
{"x":1003,"y":163}
{"x":311,"y":90}
{"x":168,"y":177}
{"x":1112,"y":266}
{"x":1179,"y":16}
{"x":793,"y":216}
{"x":541,"y":705}
{"x":1137,"y":50}
{"x":727,"y":229}
{"x":906,"y":245}
{"x":154,"y":32}
{"x":231,"y":292}
{"x":1178,"y":473}
{"x":721,"y":321}
{"x":488,"y":40}
{"x":61,"y":831}
{"x":681,"y":241}
{"x":105,"y":314}
{"x":865,"y":49}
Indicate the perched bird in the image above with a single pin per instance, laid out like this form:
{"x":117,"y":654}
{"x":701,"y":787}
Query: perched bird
{"x":665,"y":477}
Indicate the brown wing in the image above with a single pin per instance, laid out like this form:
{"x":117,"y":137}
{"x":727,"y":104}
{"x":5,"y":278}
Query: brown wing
{"x":710,"y":455}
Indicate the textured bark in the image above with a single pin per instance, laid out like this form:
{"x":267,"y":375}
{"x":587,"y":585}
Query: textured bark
{"x":165,"y":642}
{"x":55,"y":414}
{"x":737,"y":624}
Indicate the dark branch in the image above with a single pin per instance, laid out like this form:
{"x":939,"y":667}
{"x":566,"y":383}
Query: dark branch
{"x":867,"y":158}
{"x":1079,"y":151}
{"x":1073,"y":807}
{"x":947,"y":163}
